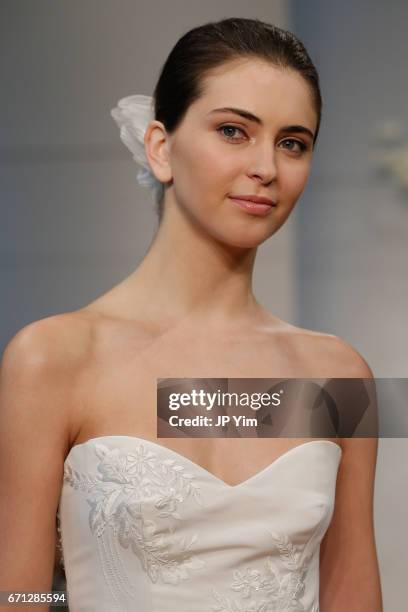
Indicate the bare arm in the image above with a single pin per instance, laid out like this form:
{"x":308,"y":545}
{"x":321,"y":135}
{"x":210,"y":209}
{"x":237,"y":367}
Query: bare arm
{"x":34,"y":439}
{"x":349,"y":572}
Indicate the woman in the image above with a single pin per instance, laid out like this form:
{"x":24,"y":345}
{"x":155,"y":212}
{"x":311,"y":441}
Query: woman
{"x":237,"y":114}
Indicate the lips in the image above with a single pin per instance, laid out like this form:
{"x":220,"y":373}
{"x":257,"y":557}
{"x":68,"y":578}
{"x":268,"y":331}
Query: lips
{"x":259,"y":209}
{"x":254,"y":198}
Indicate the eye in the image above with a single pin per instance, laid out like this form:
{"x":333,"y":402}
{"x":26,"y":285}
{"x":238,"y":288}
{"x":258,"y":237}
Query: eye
{"x":302,"y":146}
{"x":230,"y":128}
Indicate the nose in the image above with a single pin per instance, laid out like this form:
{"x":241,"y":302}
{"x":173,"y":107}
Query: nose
{"x":263,"y":163}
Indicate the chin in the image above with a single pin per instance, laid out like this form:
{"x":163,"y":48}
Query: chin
{"x":243,"y":240}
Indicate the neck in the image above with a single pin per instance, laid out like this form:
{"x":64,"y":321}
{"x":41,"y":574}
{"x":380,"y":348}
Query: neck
{"x":188,"y":273}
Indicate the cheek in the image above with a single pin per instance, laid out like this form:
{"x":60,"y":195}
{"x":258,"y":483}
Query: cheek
{"x":202,"y":167}
{"x":215,"y":168}
{"x":293,"y":178}
{"x":202,"y":176}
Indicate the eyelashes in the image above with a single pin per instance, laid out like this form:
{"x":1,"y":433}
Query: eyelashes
{"x":230,"y":127}
{"x":302,"y":146}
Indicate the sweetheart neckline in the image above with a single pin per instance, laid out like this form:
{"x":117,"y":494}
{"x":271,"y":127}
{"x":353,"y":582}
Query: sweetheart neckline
{"x":199,"y":467}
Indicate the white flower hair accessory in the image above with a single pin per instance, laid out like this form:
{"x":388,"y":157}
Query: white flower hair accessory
{"x":132,"y":114}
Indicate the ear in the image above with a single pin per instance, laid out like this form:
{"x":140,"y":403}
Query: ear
{"x":156,"y":148}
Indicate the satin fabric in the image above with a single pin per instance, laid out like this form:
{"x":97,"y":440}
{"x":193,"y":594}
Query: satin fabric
{"x":143,"y":528}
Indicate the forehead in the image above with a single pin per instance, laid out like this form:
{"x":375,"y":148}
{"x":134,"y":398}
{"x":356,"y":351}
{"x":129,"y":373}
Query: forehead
{"x":260,"y":87}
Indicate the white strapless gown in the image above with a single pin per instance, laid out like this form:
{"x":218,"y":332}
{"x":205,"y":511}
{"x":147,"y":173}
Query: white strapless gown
{"x":142,"y":528}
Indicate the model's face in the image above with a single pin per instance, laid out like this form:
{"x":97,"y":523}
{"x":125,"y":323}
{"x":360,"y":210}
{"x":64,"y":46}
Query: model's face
{"x":215,"y":154}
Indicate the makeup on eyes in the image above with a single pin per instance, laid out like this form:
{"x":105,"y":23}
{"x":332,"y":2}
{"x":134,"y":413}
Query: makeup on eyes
{"x":295,"y":128}
{"x":303,"y":147}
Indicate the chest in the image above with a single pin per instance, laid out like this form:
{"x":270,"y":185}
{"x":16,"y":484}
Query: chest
{"x":120,"y":392}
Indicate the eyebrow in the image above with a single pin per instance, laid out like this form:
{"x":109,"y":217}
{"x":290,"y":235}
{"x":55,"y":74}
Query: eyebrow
{"x":300,"y":129}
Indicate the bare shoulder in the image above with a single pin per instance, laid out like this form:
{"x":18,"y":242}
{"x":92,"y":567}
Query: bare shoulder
{"x":38,"y":373}
{"x":346,"y":358}
{"x":336,"y":358}
{"x":352,"y":522}
{"x":45,"y":342}
{"x":43,"y":360}
{"x":330,"y":355}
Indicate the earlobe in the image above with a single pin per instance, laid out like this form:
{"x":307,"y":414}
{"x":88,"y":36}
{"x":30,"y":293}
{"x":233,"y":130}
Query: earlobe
{"x":157,"y":152}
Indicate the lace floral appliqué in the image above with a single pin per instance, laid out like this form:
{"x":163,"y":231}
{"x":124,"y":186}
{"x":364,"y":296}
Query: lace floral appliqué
{"x":269,"y":590}
{"x":59,"y":547}
{"x":130,"y":487}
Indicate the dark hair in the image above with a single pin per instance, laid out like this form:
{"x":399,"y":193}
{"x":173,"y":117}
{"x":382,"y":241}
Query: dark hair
{"x":205,"y":47}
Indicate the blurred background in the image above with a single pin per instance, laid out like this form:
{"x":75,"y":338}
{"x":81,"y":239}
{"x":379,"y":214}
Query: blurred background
{"x":74,"y":220}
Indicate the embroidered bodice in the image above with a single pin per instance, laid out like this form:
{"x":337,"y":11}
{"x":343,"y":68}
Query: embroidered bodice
{"x":142,"y":528}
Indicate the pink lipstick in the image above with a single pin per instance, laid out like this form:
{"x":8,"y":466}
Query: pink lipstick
{"x":254,"y":204}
